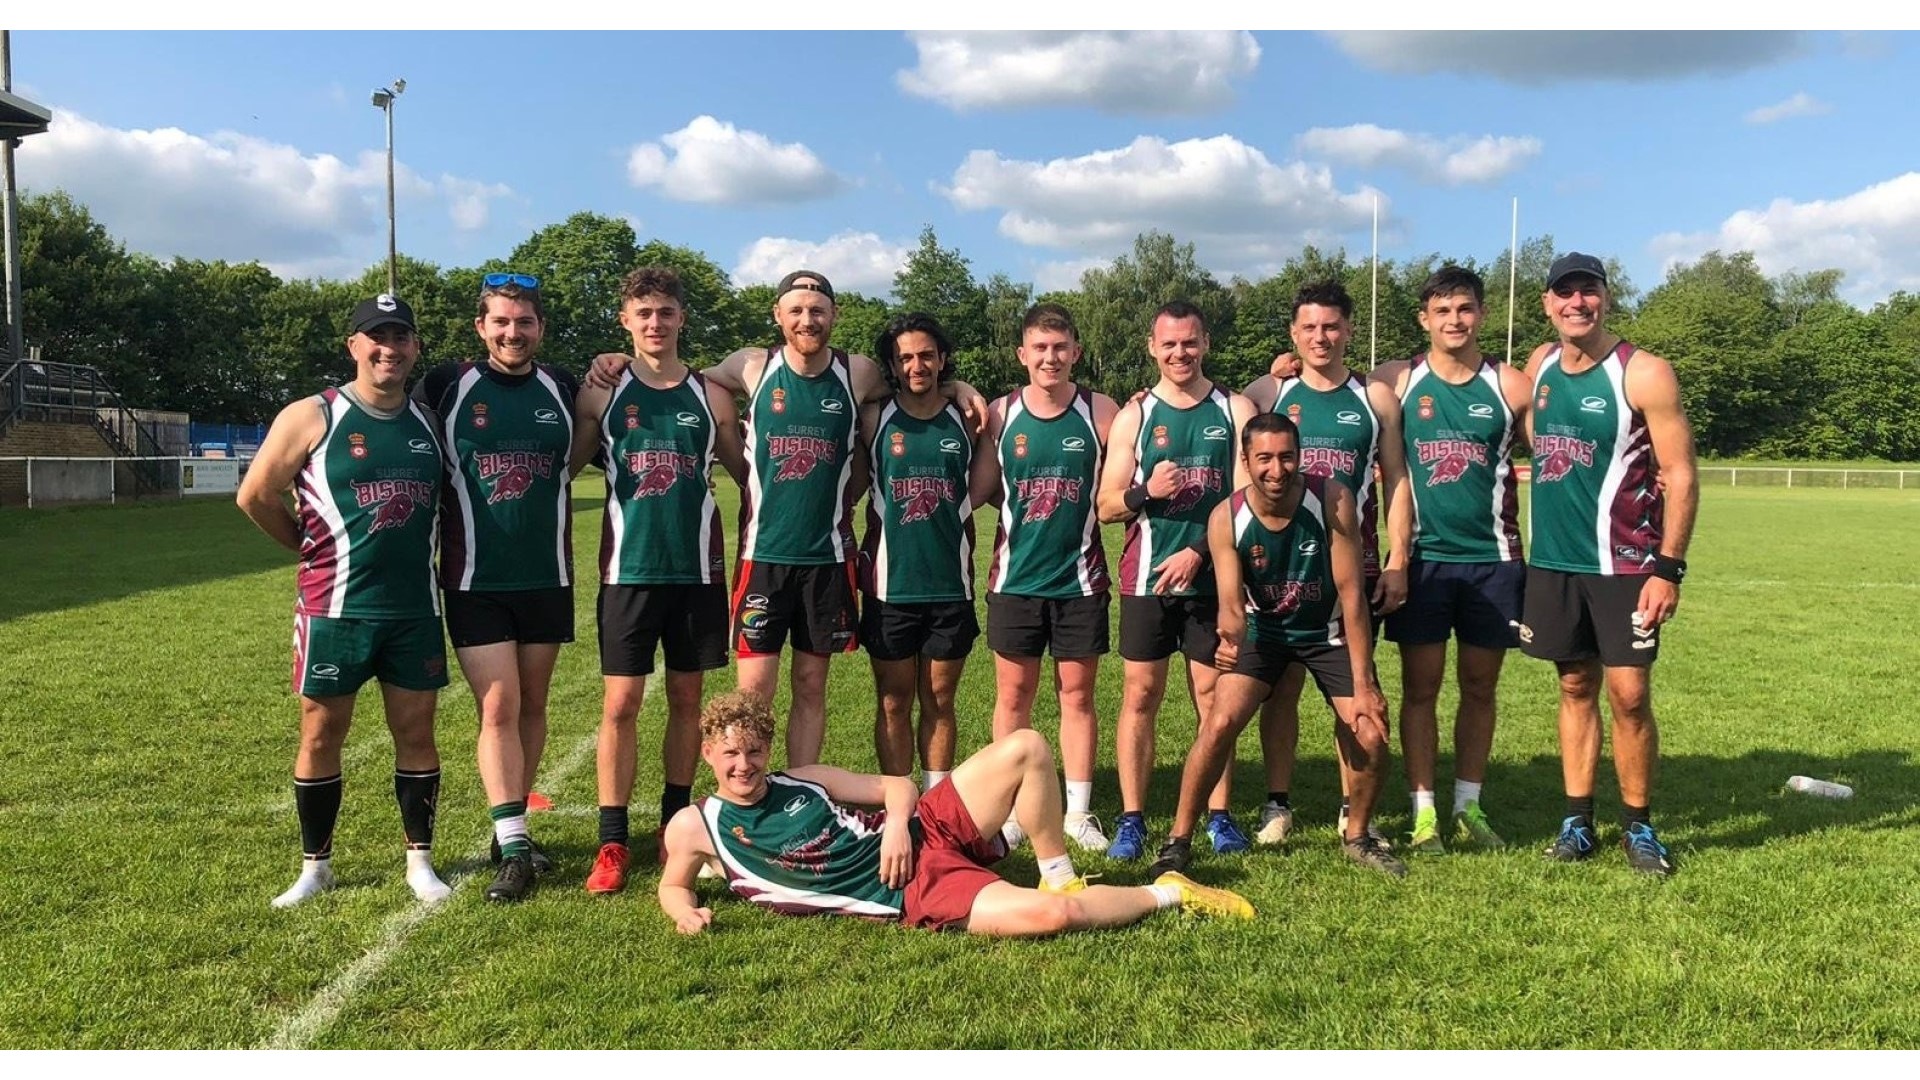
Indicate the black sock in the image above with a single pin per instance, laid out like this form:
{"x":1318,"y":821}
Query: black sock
{"x":1636,"y":815}
{"x":673,"y":799}
{"x":1582,"y":808}
{"x":317,"y":802}
{"x":1279,"y":798}
{"x":418,"y":793}
{"x":613,"y":825}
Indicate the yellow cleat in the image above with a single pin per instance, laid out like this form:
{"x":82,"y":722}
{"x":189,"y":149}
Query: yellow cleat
{"x":1206,"y":900}
{"x":1076,"y":884}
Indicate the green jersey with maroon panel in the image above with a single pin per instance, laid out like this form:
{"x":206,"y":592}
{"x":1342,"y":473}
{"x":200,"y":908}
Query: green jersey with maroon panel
{"x":365,"y":503}
{"x":508,"y":521}
{"x":798,"y":852}
{"x":1340,"y":438}
{"x":797,"y":508}
{"x":662,"y":526}
{"x":1287,"y":575}
{"x":1459,"y":441}
{"x":1596,"y":500}
{"x":919,"y":545}
{"x":1199,"y":441}
{"x":1047,"y":543}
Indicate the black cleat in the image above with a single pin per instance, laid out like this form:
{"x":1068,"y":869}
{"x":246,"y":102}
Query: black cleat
{"x":513,"y":882}
{"x":1645,"y":852}
{"x":1174,"y":858}
{"x":541,"y":863}
{"x":1373,"y":855}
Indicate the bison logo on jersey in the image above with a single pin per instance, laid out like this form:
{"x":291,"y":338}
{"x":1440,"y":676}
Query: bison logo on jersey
{"x":512,"y":484}
{"x":1043,"y":495}
{"x":1448,"y":458}
{"x":1555,"y":455}
{"x":919,"y":496}
{"x":796,"y":465}
{"x":656,"y":480}
{"x":1554,"y":466}
{"x":798,"y":455}
{"x":392,"y":514}
{"x":1194,"y":483}
{"x":1042,"y":507}
{"x":921,"y":506}
{"x":1447,"y":470}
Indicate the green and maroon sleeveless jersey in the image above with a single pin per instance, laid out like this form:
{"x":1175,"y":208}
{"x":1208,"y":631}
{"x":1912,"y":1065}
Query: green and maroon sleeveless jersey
{"x":1047,"y":543}
{"x":1340,"y":438}
{"x":1596,"y":504}
{"x":919,"y":546}
{"x":662,"y":526}
{"x":798,"y":852}
{"x":1287,"y":575}
{"x":798,"y":504}
{"x":1459,"y":441}
{"x":365,"y":503}
{"x":508,"y":520}
{"x":1199,"y":441}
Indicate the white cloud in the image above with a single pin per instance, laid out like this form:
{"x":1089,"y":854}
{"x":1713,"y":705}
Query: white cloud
{"x":1555,"y":56}
{"x":1457,"y":159}
{"x":854,"y":261}
{"x":1157,"y":72}
{"x":1872,"y":234}
{"x":711,"y":161}
{"x":1237,"y":208}
{"x":169,"y":192}
{"x":1800,"y":104}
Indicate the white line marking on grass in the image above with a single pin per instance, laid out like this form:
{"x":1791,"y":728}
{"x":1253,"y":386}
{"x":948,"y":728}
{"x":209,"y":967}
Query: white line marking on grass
{"x":298,"y":1030}
{"x":1777,"y":583}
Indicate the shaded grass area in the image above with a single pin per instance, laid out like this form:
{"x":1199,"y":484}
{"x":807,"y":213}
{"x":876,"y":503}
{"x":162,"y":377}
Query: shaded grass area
{"x":148,"y":731}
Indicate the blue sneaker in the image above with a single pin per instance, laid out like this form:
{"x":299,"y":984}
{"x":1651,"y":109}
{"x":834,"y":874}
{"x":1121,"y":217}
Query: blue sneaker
{"x":1645,"y":852}
{"x":1129,"y":838}
{"x":1575,"y":842}
{"x":1225,"y":834}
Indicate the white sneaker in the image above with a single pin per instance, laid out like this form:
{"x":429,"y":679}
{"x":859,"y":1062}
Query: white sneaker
{"x":1372,"y":830}
{"x":426,"y":885}
{"x":1013,"y":834}
{"x":1276,"y":824}
{"x":1084,"y":830}
{"x":316,"y":877}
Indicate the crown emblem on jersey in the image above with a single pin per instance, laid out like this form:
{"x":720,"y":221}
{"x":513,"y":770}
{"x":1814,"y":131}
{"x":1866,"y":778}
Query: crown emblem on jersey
{"x":1293,"y":412}
{"x":479,"y":414}
{"x":1020,"y":445}
{"x":1426,"y":406}
{"x":899,"y":441}
{"x":1541,"y":405}
{"x":1160,"y":435}
{"x":1259,"y":556}
{"x":779,"y":400}
{"x":358,"y":445}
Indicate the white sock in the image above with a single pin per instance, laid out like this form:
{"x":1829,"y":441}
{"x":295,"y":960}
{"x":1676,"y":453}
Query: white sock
{"x":316,"y":877}
{"x":931,"y":777}
{"x":507,"y":830}
{"x":1079,"y":796}
{"x":1057,"y":870}
{"x":1422,"y":800}
{"x":426,"y":884}
{"x":1464,"y":792}
{"x":1165,"y":896}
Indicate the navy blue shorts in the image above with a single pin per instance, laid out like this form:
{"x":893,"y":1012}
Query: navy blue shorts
{"x":1479,"y":603}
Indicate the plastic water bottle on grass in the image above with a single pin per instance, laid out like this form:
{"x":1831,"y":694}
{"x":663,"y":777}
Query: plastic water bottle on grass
{"x":1825,"y":789}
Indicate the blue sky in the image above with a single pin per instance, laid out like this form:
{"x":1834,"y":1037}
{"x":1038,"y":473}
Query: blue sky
{"x":1034,"y":154}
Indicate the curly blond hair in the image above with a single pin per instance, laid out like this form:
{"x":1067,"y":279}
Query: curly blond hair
{"x":748,"y":714}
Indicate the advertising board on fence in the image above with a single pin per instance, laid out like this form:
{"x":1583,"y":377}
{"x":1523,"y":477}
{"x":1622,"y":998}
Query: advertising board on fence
{"x":209,"y":476}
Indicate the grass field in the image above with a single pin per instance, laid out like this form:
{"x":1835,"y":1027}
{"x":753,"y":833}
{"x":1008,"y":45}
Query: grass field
{"x":146,"y":818}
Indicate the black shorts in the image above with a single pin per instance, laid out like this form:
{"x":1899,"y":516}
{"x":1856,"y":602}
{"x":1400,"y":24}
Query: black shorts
{"x":815,"y":603}
{"x":689,"y":620}
{"x":1029,"y":626}
{"x":528,"y":616}
{"x":1330,"y":665}
{"x":1152,"y":627}
{"x":1477,"y":602}
{"x":1581,"y":616}
{"x":941,"y":630}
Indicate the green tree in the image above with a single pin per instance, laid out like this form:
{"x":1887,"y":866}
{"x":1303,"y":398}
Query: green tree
{"x":301,"y":343}
{"x":936,"y":280}
{"x":1899,"y":315}
{"x":718,"y":319}
{"x":1116,"y":305}
{"x":858,"y":321}
{"x":580,"y":263}
{"x":79,"y":292}
{"x":201,"y":328}
{"x":444,"y":305}
{"x":1861,"y":401}
{"x":994,"y":368}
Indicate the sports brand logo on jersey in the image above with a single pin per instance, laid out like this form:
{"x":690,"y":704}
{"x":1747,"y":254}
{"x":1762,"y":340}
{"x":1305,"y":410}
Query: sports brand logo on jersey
{"x":394,"y":501}
{"x":687,"y":419}
{"x":420,"y":446}
{"x":479,"y":414}
{"x":799,"y":454}
{"x":950,"y":446}
{"x":1426,"y":406}
{"x":919,"y":496}
{"x":1160,"y":435}
{"x":1348,"y":417}
{"x":1072,"y":445}
{"x":512,"y":472}
{"x":1214,"y":433}
{"x":794,"y":805}
{"x":1044,"y":494}
{"x":1593,"y":404}
{"x":832,"y":405}
{"x":1555,"y":455}
{"x":898,"y":444}
{"x":545,"y":416}
{"x":1195,"y":481}
{"x":657,"y":470}
{"x":1327,"y":461}
{"x":1480,"y":410}
{"x":357,"y":445}
{"x":1448,"y":458}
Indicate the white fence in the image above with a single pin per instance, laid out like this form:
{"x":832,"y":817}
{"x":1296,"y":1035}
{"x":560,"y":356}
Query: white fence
{"x":1780,"y":476}
{"x":54,"y":481}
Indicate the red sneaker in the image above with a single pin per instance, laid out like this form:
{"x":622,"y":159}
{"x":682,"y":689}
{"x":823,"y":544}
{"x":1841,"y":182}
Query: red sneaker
{"x":537,"y":802}
{"x":609,"y":870}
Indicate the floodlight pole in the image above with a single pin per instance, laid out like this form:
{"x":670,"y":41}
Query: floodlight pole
{"x":10,"y":220}
{"x":383,"y":100}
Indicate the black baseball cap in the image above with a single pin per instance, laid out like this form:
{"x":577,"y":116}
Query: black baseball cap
{"x":1573,"y":263}
{"x":383,"y":310}
{"x":819,"y":284}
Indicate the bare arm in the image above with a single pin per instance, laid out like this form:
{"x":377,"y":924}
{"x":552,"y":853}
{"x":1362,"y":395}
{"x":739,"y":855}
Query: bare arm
{"x":1262,"y":392}
{"x":687,"y":848}
{"x":1243,"y":410}
{"x":1391,"y":591}
{"x":866,"y":426}
{"x":1349,"y":580}
{"x":1116,"y":476}
{"x":1653,"y":390}
{"x":283,"y":453}
{"x":1518,"y":390}
{"x":1231,"y":621}
{"x":588,"y":406}
{"x":727,"y":448}
{"x":983,"y":482}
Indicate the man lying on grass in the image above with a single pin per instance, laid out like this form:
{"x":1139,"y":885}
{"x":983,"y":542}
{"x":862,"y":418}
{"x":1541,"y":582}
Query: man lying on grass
{"x":785,"y":841}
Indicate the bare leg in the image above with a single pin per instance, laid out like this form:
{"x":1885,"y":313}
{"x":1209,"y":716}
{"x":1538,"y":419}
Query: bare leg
{"x":536,"y":680}
{"x":1201,"y":679}
{"x":1579,"y":725}
{"x":893,"y":736}
{"x":1013,"y":776}
{"x":1478,"y":672}
{"x":1079,"y":727}
{"x":1015,"y":679}
{"x":1144,"y":689}
{"x":1422,"y":668}
{"x":680,"y":748}
{"x":493,"y":672}
{"x":1003,"y":909}
{"x":614,"y":757}
{"x":1235,"y":697}
{"x":939,"y":681}
{"x":1636,"y":738}
{"x":807,"y":715}
{"x":410,"y":720}
{"x":1366,"y":762}
{"x":1280,"y":728}
{"x":323,"y":731}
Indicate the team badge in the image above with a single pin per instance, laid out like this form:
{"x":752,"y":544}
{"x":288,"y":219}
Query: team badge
{"x":633,"y":416}
{"x":1259,"y":556}
{"x":1426,"y":406}
{"x":740,"y":834}
{"x":1541,"y":404}
{"x":1160,"y":435}
{"x":479,"y":414}
{"x":1020,"y":445}
{"x":779,"y":400}
{"x":359,"y":445}
{"x":1293,"y":412}
{"x":899,"y":441}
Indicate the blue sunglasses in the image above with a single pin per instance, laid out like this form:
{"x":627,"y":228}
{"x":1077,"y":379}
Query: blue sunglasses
{"x":525,"y":281}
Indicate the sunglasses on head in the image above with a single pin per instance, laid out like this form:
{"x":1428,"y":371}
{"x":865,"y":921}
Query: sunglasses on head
{"x":495,"y":281}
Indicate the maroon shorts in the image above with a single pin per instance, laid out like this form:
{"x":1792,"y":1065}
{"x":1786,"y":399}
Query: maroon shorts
{"x":950,"y":861}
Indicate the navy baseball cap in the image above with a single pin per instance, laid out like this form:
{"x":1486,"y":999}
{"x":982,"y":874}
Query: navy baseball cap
{"x":1573,"y":263}
{"x":383,"y":310}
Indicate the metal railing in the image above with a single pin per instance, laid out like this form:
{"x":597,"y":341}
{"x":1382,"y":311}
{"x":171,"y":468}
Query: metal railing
{"x":79,"y":394}
{"x":1814,"y":477}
